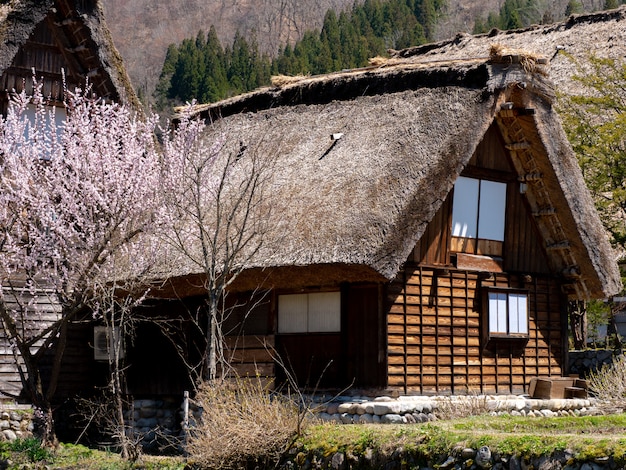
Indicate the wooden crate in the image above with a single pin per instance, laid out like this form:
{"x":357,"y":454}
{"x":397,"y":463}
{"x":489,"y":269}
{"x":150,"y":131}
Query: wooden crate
{"x":557,"y":387}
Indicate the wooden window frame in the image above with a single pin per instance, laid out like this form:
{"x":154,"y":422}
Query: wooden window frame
{"x":474,"y":244}
{"x":307,"y":330}
{"x":487,"y":315}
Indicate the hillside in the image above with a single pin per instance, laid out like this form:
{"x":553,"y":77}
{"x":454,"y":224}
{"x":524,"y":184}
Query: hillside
{"x":143,"y":29}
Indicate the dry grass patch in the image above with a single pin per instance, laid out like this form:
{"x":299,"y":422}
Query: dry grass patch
{"x":608,"y":384}
{"x":241,"y":422}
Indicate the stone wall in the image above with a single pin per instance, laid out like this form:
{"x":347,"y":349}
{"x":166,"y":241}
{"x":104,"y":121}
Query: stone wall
{"x":419,"y":409}
{"x":583,"y":362}
{"x":459,"y":458}
{"x":16,"y":421}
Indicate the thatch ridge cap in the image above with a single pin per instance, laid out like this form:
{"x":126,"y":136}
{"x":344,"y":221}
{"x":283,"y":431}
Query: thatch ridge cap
{"x":573,"y":20}
{"x":372,"y":80}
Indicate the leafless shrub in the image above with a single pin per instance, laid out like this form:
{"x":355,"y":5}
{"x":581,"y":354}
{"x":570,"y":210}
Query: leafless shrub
{"x":453,"y":407}
{"x":241,"y":422}
{"x":608,"y":384}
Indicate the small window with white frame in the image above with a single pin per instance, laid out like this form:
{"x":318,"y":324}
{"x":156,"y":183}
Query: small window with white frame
{"x":507,"y":313}
{"x":315,"y":312}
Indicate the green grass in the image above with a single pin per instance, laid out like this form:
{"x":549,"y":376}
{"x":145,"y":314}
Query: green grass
{"x":24,"y":452}
{"x":586,"y":437}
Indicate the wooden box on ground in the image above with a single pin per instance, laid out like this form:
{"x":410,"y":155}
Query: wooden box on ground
{"x":557,"y":387}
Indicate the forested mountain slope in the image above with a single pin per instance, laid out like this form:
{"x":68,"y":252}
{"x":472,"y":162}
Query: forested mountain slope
{"x":143,"y":29}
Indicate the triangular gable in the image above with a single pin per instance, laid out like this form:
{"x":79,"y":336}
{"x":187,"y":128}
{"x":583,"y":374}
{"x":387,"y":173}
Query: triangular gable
{"x":52,"y":36}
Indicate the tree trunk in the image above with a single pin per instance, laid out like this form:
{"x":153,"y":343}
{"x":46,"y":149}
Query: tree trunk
{"x":578,"y":323}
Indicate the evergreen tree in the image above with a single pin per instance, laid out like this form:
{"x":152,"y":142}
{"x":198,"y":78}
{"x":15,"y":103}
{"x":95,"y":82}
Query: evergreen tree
{"x":573,"y":7}
{"x":215,"y":82}
{"x":514,"y":21}
{"x":204,"y":70}
{"x":162,"y":91}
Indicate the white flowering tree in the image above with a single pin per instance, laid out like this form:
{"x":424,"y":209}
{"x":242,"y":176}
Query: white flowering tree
{"x":217,"y":220}
{"x":76,"y":195}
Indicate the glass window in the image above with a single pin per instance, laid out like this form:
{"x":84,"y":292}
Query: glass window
{"x":508,"y":312}
{"x":318,"y":312}
{"x":478,"y":209}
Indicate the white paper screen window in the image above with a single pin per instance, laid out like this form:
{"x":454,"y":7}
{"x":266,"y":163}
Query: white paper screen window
{"x":465,"y":207}
{"x":518,"y":313}
{"x":318,"y":312}
{"x":478,"y":209}
{"x":324,"y":312}
{"x":491,"y":210}
{"x":292,"y":313}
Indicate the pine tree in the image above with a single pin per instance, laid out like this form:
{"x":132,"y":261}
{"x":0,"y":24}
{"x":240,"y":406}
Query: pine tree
{"x":162,"y":91}
{"x":215,"y":82}
{"x":573,"y":7}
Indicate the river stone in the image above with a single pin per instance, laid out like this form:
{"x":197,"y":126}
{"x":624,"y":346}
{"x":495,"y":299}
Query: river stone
{"x":468,"y":453}
{"x":147,"y":412}
{"x":9,"y":434}
{"x":381,"y":409}
{"x":332,"y":408}
{"x":346,"y":418}
{"x":349,"y":408}
{"x":448,"y":463}
{"x":483,"y":457}
{"x":337,"y":460}
{"x":391,"y":419}
{"x":369,"y":408}
{"x":383,"y":398}
{"x":324,"y":417}
{"x":366,"y":419}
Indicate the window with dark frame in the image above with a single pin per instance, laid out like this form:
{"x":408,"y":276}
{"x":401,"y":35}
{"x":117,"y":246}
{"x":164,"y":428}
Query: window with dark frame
{"x":507,"y":313}
{"x":314,"y":312}
{"x":478,"y":216}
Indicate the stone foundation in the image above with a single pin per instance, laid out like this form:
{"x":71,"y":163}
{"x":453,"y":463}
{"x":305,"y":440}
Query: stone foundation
{"x":419,"y":409}
{"x":583,"y":362}
{"x":16,"y":421}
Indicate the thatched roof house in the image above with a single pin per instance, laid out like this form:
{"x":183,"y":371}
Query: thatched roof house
{"x":370,"y":202}
{"x":48,"y":36}
{"x":59,"y":41}
{"x":409,"y":129}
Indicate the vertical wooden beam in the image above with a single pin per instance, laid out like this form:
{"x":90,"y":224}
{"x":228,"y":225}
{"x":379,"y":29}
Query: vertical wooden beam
{"x":536,"y":330}
{"x":421,"y":334}
{"x":435,"y":287}
{"x":467,"y":336}
{"x":404,"y":324}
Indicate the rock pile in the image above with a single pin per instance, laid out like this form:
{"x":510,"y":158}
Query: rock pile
{"x":16,"y":422}
{"x":420,"y":409}
{"x":460,"y":458}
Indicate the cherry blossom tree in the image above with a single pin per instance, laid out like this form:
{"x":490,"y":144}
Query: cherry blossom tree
{"x":77,"y":198}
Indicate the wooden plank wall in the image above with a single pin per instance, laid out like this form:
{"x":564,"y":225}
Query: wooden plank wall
{"x":434,"y":334}
{"x":251,"y":356}
{"x":41,"y":310}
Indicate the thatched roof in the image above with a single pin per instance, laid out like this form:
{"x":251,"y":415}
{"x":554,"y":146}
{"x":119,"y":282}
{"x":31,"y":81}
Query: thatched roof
{"x":601,"y":34}
{"x":80,"y":27}
{"x":408,"y":129}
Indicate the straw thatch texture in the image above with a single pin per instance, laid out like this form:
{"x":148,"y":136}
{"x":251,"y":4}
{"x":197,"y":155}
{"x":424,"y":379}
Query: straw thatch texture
{"x":81,"y":22}
{"x":407,"y":133}
{"x":602,"y":34}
